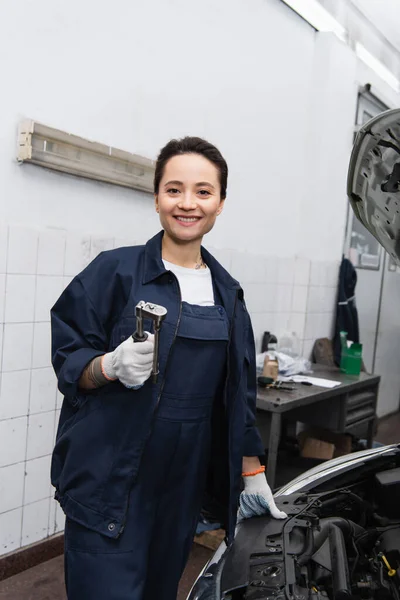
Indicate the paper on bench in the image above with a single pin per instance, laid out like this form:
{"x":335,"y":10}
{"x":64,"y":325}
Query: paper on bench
{"x":325,"y":383}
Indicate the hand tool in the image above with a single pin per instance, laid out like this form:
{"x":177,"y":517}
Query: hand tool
{"x":157,"y":313}
{"x":268,"y":382}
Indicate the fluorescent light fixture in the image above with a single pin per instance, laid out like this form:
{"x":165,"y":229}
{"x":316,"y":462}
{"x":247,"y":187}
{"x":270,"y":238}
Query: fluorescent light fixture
{"x":55,"y":149}
{"x":379,"y":68}
{"x":315,"y":14}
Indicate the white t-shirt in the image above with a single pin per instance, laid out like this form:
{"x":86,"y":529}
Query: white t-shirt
{"x":196,"y":284}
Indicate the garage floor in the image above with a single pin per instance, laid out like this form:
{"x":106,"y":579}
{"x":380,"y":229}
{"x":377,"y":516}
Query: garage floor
{"x":45,"y":582}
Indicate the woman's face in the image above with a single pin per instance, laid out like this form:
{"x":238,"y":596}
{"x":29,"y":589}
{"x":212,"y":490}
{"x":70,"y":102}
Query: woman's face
{"x":189,"y":197}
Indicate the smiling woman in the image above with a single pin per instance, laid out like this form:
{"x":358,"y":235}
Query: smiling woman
{"x":190,"y":189}
{"x":135,"y":458}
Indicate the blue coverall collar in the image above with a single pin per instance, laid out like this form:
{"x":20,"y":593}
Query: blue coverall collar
{"x":154,"y":266}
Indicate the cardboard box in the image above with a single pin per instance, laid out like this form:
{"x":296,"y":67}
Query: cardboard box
{"x":313,"y":448}
{"x":210,"y":539}
{"x":324,"y":444}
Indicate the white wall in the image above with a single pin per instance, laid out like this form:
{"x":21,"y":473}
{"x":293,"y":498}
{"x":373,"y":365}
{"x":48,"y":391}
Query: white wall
{"x":240,"y":74}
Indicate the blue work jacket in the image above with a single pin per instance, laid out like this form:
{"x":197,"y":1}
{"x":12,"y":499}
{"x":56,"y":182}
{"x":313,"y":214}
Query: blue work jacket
{"x":102,"y":433}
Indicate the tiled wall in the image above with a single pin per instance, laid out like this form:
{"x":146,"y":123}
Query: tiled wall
{"x":282,"y":295}
{"x":285,"y":295}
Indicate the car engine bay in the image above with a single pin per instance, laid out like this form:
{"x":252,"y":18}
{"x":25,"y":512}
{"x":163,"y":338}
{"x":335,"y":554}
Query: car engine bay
{"x":337,"y":544}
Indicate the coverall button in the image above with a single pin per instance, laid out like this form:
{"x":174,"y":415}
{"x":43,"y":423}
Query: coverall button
{"x":170,"y":280}
{"x":111,"y":526}
{"x":122,"y":338}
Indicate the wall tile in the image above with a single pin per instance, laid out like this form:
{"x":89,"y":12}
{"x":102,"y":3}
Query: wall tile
{"x":299,"y":299}
{"x":37,"y":479}
{"x":286,"y":268}
{"x":297,"y":324}
{"x":1,"y":347}
{"x":3,"y":247}
{"x":43,"y":390}
{"x":12,"y":441}
{"x":52,"y":515}
{"x":324,"y":273}
{"x":59,"y":399}
{"x":223,"y":256}
{"x":271,"y":268}
{"x":321,"y":299}
{"x":100,"y":244}
{"x":2,"y":296}
{"x":265,"y":322}
{"x":310,"y":327}
{"x":325,"y":325}
{"x":41,"y":356}
{"x":308,"y":346}
{"x":77,"y":254}
{"x":248,"y":268}
{"x":270,"y":304}
{"x":257,"y":297}
{"x":251,"y":297}
{"x":10,"y":530}
{"x":35,"y":521}
{"x":332,"y":274}
{"x":22,"y":250}
{"x":20,"y":298}
{"x":51,"y":252}
{"x":281,"y":324}
{"x":11,"y":486}
{"x":318,"y":273}
{"x":40,"y":435}
{"x":14,"y":394}
{"x":284,"y":298}
{"x":316,"y":296}
{"x":66,"y":282}
{"x":238,"y":266}
{"x":48,"y":290}
{"x":60,"y":519}
{"x":17,"y":346}
{"x":260,"y":322}
{"x":56,"y":421}
{"x":318,"y":325}
{"x":330,"y":299}
{"x":302,"y":271}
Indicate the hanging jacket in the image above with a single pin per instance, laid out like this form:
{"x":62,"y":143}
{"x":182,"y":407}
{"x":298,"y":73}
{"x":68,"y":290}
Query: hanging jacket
{"x":346,"y":310}
{"x":102,"y":433}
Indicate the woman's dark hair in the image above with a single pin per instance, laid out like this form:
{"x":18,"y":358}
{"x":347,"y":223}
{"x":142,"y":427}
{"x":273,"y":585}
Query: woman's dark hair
{"x":192,"y":145}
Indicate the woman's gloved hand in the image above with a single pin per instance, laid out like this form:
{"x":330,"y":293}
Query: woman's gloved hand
{"x":256,"y":499}
{"x":131,"y":362}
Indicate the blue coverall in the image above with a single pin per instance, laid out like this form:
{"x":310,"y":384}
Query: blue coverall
{"x":131,"y":467}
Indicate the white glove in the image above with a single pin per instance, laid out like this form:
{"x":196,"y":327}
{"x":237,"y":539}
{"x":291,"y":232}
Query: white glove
{"x":256,"y":499}
{"x":131,"y":362}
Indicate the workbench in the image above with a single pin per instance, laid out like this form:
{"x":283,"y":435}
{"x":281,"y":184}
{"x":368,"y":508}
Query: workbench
{"x":343,"y":409}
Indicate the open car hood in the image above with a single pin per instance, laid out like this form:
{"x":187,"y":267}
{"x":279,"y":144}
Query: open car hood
{"x":374,"y":177}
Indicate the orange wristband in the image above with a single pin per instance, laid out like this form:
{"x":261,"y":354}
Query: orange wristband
{"x":252,"y":473}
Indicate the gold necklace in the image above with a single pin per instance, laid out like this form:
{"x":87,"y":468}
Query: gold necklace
{"x":200,"y":264}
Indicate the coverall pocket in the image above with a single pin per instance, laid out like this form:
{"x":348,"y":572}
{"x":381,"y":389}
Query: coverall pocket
{"x":82,"y":539}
